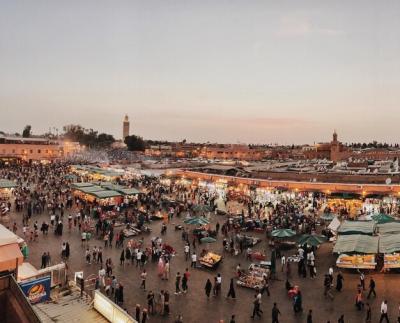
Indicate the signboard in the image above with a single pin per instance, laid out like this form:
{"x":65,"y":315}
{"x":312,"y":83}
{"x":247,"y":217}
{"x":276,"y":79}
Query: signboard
{"x":37,"y":290}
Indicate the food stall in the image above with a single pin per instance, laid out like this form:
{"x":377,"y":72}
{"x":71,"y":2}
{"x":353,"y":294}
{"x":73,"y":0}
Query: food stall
{"x":254,"y":278}
{"x":91,"y":193}
{"x":6,"y":187}
{"x":210,"y":259}
{"x":10,"y":253}
{"x":388,"y":228}
{"x":356,"y":251}
{"x":248,"y":241}
{"x":357,"y":227}
{"x":389,"y":246}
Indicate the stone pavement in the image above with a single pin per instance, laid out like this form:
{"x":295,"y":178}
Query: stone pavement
{"x":194,"y":305}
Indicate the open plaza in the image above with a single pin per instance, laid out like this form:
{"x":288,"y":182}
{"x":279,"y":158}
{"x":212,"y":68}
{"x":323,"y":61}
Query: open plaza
{"x":165,"y":246}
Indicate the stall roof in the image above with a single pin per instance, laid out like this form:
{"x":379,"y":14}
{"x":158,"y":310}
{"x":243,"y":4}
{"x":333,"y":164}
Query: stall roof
{"x":389,"y":243}
{"x":356,"y":243}
{"x":26,"y":271}
{"x":10,"y":255}
{"x":357,"y":227}
{"x":6,"y":236}
{"x":104,"y":194}
{"x":127,"y":191}
{"x":90,"y":189}
{"x":393,"y":227}
{"x":335,"y":224}
{"x":78,"y":185}
{"x":5,"y":183}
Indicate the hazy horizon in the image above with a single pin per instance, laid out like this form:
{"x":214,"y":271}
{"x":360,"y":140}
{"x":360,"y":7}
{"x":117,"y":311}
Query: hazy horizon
{"x":228,"y":71}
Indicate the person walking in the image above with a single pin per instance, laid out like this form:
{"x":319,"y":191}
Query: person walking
{"x":44,"y":260}
{"x":256,"y":307}
{"x":384,"y":310}
{"x":218,"y":284}
{"x":339,"y":282}
{"x":122,"y":257}
{"x":194,"y":260}
{"x":67,"y":250}
{"x":184,"y":282}
{"x":208,"y":288}
{"x":178,"y":283}
{"x":187,"y":250}
{"x":143,"y":277}
{"x":341,"y":319}
{"x":359,"y":301}
{"x":231,"y":292}
{"x":166,"y":303}
{"x":150,"y":302}
{"x":275,"y":314}
{"x":362,"y":280}
{"x":137,"y":312}
{"x":327,"y":286}
{"x":309,"y":316}
{"x":371,"y":288}
{"x":368,"y":316}
{"x":144,"y":316}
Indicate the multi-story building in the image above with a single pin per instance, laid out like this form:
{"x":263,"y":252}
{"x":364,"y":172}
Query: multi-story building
{"x":235,"y":152}
{"x":36,"y":148}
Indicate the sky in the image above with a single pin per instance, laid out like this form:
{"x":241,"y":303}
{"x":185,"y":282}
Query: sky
{"x":219,"y":71}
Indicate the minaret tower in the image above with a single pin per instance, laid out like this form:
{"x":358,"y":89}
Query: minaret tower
{"x":125,"y":127}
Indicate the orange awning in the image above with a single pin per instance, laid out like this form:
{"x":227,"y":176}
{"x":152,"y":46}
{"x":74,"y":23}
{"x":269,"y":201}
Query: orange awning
{"x":8,"y":257}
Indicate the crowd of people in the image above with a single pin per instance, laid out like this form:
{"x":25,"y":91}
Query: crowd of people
{"x":46,"y":189}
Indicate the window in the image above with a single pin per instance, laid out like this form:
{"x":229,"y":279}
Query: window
{"x":39,"y":151}
{"x":13,"y":151}
{"x":47,"y":151}
{"x":31,"y":151}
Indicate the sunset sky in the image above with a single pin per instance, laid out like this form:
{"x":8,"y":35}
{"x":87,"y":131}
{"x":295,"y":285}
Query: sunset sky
{"x":226,"y":71}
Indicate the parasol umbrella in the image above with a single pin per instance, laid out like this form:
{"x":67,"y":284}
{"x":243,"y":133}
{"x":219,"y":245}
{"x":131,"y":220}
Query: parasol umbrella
{"x":208,"y":240}
{"x":311,"y":239}
{"x":382,"y":218}
{"x":283,"y":233}
{"x":201,"y":208}
{"x":197,"y":221}
{"x":327,"y":216}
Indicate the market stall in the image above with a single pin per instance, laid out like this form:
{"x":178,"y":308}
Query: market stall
{"x":210,"y":259}
{"x":387,"y":228}
{"x":248,"y":241}
{"x":356,"y":227}
{"x":389,"y":246}
{"x":254,"y":277}
{"x":6,"y":187}
{"x":10,"y":253}
{"x":356,"y":251}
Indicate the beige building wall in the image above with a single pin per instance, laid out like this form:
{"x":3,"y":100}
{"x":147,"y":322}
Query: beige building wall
{"x":30,"y":151}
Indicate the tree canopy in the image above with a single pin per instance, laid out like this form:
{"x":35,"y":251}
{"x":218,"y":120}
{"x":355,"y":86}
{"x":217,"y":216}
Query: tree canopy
{"x":26,"y":133}
{"x":135,"y":143}
{"x":87,"y":137}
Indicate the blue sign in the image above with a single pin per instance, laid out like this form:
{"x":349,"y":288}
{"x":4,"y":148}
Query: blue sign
{"x":37,"y":290}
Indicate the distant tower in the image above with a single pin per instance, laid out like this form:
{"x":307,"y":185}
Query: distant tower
{"x":335,"y":147}
{"x":125,"y":127}
{"x":335,"y":136}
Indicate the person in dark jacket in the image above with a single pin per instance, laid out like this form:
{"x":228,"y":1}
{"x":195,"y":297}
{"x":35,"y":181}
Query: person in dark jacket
{"x":309,"y":316}
{"x":122,"y":258}
{"x":339,"y":282}
{"x":231,"y":292}
{"x":208,"y":288}
{"x":121,"y":294}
